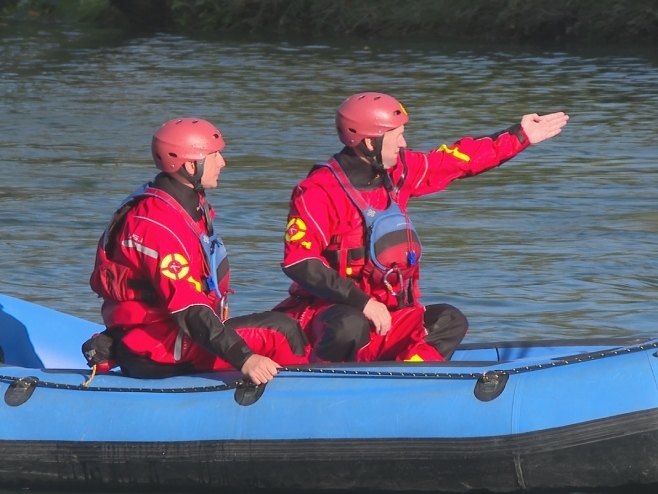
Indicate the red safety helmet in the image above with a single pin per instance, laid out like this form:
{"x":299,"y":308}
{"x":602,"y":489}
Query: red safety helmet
{"x":368,"y":115}
{"x":184,"y":139}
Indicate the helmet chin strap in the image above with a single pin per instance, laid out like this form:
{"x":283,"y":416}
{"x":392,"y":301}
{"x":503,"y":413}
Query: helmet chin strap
{"x":195,"y":179}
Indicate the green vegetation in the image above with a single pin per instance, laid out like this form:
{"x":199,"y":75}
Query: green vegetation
{"x":95,"y":11}
{"x":610,"y":21}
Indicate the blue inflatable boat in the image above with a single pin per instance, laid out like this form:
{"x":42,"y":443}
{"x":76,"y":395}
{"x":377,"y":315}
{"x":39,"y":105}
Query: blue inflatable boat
{"x":512,"y":416}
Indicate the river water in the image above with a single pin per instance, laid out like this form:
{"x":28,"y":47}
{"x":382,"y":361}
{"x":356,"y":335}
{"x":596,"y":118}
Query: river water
{"x":559,"y":242}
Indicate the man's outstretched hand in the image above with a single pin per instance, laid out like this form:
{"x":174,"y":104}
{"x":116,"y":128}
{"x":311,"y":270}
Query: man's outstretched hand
{"x":538,"y":128}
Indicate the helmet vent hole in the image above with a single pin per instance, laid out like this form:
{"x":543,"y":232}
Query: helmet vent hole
{"x":172,"y":155}
{"x":353,"y":131}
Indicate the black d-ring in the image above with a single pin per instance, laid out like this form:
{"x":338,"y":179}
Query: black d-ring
{"x":248,"y":393}
{"x":20,"y":391}
{"x":490,"y":385}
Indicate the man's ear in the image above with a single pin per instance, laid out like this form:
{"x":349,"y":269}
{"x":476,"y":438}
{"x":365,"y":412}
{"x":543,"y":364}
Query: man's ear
{"x":369,"y":142}
{"x":190,"y":167}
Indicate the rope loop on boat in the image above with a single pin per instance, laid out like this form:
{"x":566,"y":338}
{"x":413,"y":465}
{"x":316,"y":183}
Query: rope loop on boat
{"x":557,"y":362}
{"x":387,"y":374}
{"x":92,"y":374}
{"x":122,"y":389}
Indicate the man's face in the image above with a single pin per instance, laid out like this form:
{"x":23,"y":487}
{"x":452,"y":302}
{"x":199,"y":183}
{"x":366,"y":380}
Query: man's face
{"x":212,"y":166}
{"x":393,"y":141}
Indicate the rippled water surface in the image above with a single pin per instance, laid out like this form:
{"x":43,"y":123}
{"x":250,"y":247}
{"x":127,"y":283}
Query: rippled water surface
{"x":559,"y":242}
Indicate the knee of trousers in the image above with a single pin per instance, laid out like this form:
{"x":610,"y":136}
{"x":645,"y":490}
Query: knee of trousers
{"x":446,"y":327}
{"x":273,"y":321}
{"x":445,"y":318}
{"x":344,"y":330}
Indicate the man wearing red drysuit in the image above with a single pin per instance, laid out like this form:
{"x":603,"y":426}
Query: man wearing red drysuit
{"x":163,"y":275}
{"x":355,"y":283}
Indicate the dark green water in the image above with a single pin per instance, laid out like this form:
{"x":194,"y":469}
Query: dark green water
{"x":559,"y":242}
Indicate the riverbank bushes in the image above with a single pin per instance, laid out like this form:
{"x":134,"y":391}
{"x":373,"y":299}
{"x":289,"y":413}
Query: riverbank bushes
{"x":596,"y":21}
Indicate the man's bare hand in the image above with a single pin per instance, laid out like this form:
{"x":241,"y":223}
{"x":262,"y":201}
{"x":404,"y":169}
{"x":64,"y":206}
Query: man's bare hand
{"x":260,"y":369}
{"x":538,"y":128}
{"x":378,"y":314}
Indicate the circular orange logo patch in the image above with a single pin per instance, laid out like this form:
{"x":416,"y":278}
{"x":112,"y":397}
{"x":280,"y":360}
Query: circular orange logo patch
{"x":295,"y":230}
{"x":175,"y":266}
